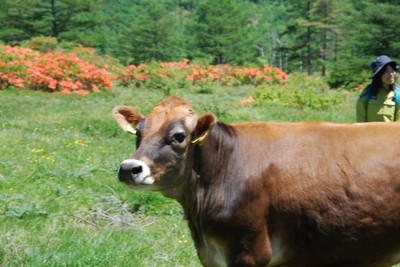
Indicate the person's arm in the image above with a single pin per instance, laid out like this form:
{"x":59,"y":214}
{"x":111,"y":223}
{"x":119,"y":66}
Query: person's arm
{"x":397,"y":100}
{"x":361,"y":109}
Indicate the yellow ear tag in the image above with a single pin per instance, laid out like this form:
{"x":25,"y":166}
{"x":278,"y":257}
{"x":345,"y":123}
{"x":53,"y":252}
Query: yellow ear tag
{"x":200,"y":140}
{"x":130,"y":130}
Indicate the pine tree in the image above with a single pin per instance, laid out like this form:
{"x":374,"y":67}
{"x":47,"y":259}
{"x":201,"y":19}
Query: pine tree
{"x":151,"y":36}
{"x":323,"y":24}
{"x":376,"y":28}
{"x":222,"y":31}
{"x":269,"y":21}
{"x":70,"y":20}
{"x":16,"y":19}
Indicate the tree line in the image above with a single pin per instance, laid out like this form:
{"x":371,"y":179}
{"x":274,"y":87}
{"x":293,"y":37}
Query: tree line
{"x":332,"y":38}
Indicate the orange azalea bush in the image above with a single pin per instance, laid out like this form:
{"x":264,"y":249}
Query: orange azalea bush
{"x":164,"y":71}
{"x":55,"y":71}
{"x":230,"y":75}
{"x":135,"y":74}
{"x":82,"y":71}
{"x":195,"y":74}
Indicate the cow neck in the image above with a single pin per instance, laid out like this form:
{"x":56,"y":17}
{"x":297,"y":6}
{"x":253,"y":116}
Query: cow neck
{"x":211,"y":166}
{"x":208,"y":199}
{"x":213,"y":148}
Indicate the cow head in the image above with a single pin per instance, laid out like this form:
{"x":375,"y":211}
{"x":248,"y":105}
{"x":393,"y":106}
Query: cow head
{"x":165,"y":141}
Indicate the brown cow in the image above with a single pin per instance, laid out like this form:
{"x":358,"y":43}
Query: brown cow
{"x":272,"y":194}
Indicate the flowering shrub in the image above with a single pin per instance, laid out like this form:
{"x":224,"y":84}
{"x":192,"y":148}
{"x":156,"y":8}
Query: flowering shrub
{"x":195,"y":74}
{"x":135,"y":74}
{"x":82,"y":71}
{"x":257,"y":76}
{"x":304,"y":92}
{"x":57,"y":71}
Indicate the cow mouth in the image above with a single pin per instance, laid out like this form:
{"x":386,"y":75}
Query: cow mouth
{"x":147,"y":181}
{"x":135,"y":172}
{"x":132,"y":181}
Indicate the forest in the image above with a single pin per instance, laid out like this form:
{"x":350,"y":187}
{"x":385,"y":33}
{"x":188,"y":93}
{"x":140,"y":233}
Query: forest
{"x":336,"y":39}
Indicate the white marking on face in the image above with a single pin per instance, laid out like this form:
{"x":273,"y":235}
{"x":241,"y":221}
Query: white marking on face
{"x":191,"y":122}
{"x":144,"y":176}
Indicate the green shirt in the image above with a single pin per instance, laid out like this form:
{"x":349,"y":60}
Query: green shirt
{"x":380,"y":108}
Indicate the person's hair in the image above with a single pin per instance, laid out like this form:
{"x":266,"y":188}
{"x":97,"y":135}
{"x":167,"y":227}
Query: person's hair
{"x":376,"y":83}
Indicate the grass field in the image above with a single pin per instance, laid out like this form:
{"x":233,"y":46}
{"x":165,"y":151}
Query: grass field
{"x":60,"y":201}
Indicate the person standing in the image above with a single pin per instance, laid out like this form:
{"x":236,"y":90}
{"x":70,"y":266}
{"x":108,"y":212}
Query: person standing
{"x":379,"y":100}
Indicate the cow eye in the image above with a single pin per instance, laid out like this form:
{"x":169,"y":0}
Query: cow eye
{"x":179,"y":137}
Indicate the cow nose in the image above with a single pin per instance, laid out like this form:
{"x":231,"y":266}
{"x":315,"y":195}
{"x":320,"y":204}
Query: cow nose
{"x":129,"y":169}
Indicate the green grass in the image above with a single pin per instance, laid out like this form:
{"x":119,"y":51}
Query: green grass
{"x":60,"y":201}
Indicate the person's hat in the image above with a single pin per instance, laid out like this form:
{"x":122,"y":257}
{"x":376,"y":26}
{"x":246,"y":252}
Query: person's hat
{"x":378,"y":63}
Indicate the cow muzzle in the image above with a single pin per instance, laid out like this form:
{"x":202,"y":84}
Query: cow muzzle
{"x":135,"y":172}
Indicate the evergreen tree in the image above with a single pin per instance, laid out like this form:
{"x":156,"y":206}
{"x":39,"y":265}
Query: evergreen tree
{"x":269,"y":21}
{"x":118,"y":15}
{"x":16,"y":19}
{"x":222,"y":31}
{"x":323,"y":24}
{"x":313,"y":34}
{"x":376,"y":28}
{"x":70,"y":20}
{"x":299,"y":36}
{"x":151,"y":36}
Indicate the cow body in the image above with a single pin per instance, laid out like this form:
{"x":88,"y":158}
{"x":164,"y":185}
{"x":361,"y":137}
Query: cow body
{"x":273,"y":194}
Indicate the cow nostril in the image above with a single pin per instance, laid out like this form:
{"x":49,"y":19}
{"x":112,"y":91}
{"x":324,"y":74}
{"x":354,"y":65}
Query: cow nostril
{"x":137,"y":169}
{"x":122,"y":177}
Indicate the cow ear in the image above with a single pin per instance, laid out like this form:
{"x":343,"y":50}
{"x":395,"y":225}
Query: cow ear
{"x":204,"y":123}
{"x":127,"y":118}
